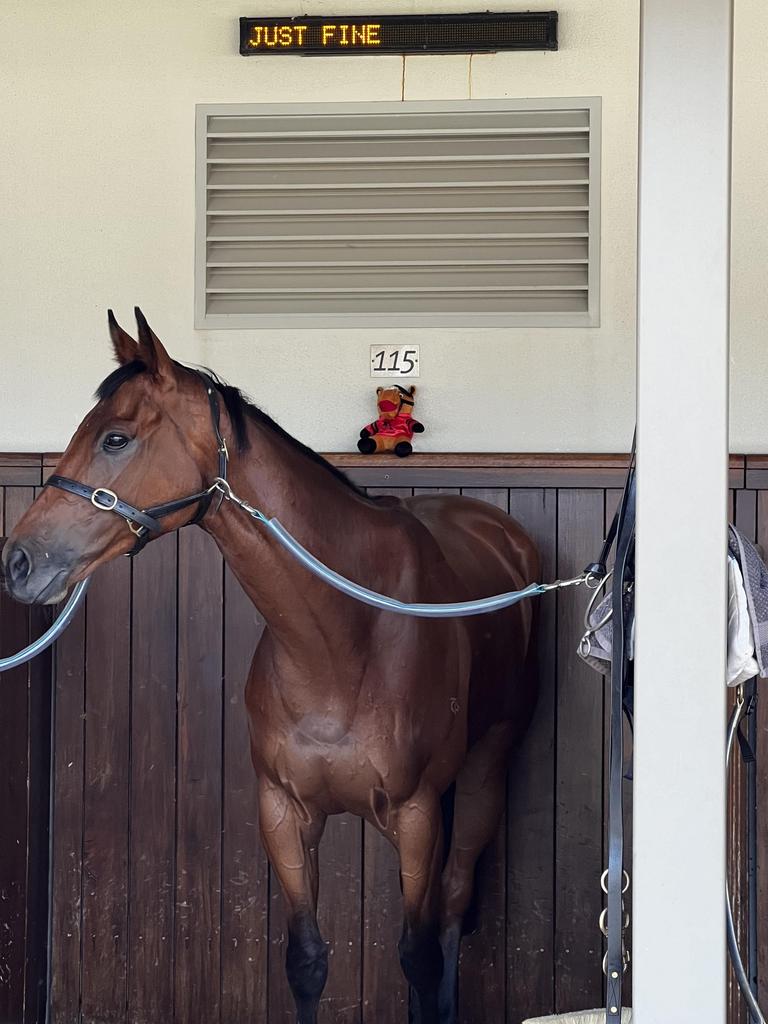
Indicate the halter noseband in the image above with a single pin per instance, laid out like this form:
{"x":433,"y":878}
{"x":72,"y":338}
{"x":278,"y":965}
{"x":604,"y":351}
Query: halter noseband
{"x":146,"y":522}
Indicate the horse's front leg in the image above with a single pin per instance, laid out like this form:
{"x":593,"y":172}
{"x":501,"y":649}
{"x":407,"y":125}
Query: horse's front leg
{"x":478,"y":806}
{"x":290,"y":839}
{"x":419,"y":836}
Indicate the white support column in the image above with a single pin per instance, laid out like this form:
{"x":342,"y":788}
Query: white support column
{"x":678,"y":943}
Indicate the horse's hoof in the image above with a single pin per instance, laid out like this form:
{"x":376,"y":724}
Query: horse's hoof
{"x":403,"y":448}
{"x":366,"y":445}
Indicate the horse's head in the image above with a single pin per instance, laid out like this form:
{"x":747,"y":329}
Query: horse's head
{"x":147,"y":441}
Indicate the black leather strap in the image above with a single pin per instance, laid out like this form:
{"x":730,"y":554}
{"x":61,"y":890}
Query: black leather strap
{"x":105,"y":500}
{"x":599,"y":568}
{"x":621,"y":669}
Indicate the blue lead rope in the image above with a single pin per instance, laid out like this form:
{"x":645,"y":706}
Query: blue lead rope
{"x":455,"y":609}
{"x":54,"y":630}
{"x":391,"y":604}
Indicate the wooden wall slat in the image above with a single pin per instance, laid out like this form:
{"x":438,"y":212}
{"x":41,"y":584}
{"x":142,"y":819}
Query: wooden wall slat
{"x":483,"y":967}
{"x":153,"y":784}
{"x":339,"y":917}
{"x":531,"y":793}
{"x":13,"y":792}
{"x":245,"y":874}
{"x":39,"y":710}
{"x":579,"y":752}
{"x":523,"y":476}
{"x":384,"y":991}
{"x":199,"y":809}
{"x":105,"y":797}
{"x":67,"y":826}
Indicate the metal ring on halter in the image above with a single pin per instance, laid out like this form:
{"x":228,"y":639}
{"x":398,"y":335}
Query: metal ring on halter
{"x":110,"y":494}
{"x":603,"y":882}
{"x":589,"y":626}
{"x":220,"y":484}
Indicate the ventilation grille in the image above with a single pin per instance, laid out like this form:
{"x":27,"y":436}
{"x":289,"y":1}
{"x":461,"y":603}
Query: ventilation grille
{"x":398,"y":215}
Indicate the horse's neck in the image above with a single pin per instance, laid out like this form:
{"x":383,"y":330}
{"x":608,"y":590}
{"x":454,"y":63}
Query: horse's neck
{"x":305,"y":616}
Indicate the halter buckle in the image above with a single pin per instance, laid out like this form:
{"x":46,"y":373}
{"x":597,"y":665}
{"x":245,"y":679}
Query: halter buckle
{"x":109,"y":494}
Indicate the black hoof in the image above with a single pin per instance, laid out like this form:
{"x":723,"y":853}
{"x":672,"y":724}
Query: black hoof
{"x":366,"y":445}
{"x":403,"y":448}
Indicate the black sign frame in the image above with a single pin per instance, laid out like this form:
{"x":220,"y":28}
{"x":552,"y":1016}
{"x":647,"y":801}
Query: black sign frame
{"x":347,"y":35}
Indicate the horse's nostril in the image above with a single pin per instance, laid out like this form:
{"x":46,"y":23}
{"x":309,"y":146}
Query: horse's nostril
{"x":18,"y":565}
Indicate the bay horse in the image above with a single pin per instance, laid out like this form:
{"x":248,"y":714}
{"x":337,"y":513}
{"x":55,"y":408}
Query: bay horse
{"x":350,"y":708}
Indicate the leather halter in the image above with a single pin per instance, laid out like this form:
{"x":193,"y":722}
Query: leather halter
{"x":145,"y":523}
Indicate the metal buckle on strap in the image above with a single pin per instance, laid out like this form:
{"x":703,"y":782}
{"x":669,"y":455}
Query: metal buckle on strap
{"x":110,"y":495}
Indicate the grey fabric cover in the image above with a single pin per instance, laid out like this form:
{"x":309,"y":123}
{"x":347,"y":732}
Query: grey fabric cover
{"x":755,"y":575}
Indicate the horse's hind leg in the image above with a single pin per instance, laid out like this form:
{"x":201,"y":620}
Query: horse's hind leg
{"x":291,"y":839}
{"x":479,"y":801}
{"x":418,"y":829}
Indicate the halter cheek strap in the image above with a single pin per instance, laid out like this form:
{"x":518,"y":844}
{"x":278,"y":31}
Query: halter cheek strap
{"x":145,"y":523}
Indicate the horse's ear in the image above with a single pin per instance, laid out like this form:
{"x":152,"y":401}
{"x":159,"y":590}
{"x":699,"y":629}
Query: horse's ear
{"x":125,"y":347}
{"x":152,"y":351}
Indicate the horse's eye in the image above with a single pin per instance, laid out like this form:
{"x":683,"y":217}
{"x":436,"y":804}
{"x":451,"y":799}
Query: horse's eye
{"x":114,"y":442}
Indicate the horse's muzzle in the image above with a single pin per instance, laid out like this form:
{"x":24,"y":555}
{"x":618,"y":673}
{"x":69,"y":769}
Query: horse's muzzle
{"x":34,"y":576}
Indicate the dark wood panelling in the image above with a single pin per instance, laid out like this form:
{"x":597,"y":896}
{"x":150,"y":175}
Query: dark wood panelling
{"x":579,"y":759}
{"x":106,"y":796}
{"x":384,"y":991}
{"x":67,"y":821}
{"x":199,"y":773}
{"x":531,"y":792}
{"x":244,"y":871}
{"x":25,"y":729}
{"x":153,"y":783}
{"x":483,"y":967}
{"x":163,"y":909}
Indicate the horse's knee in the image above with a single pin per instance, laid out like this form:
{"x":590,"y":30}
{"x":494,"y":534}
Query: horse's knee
{"x":421,"y":957}
{"x":306,"y":961}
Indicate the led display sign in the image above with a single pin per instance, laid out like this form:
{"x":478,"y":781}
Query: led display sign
{"x":429,"y":33}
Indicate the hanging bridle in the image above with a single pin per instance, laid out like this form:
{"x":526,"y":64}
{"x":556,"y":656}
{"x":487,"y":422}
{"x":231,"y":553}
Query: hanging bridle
{"x":144,"y":523}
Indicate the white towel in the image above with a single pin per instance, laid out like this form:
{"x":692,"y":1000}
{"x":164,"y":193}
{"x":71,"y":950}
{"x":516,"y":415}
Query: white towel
{"x":741,"y":664}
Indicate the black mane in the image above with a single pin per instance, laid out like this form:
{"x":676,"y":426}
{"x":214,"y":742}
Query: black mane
{"x":239,"y":409}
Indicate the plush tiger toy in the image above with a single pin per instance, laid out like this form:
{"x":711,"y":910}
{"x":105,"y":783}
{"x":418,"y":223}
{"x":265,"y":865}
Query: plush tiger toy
{"x":394,"y":429}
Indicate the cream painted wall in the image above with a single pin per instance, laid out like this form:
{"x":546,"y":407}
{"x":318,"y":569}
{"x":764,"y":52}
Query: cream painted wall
{"x":98,"y":210}
{"x":749,"y":230}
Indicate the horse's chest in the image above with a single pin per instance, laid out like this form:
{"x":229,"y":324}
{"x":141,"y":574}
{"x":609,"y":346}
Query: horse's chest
{"x":331,"y":775}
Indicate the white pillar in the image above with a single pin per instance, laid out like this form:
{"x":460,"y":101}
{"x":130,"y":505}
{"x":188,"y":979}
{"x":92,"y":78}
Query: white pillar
{"x":678,"y":943}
